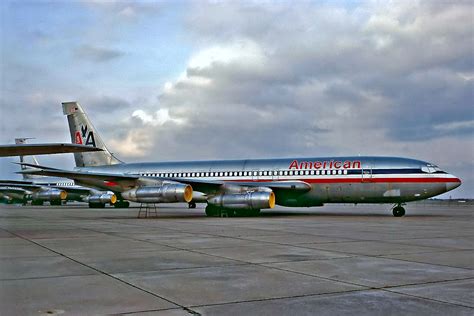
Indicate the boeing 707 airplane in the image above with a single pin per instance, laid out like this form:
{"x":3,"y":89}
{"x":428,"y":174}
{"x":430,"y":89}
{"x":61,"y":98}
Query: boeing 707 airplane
{"x":244,"y":187}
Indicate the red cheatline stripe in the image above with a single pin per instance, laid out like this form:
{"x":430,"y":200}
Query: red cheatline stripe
{"x":384,"y":180}
{"x":365,"y":180}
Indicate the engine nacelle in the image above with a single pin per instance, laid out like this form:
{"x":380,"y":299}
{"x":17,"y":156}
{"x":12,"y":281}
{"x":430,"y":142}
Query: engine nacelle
{"x":250,"y":200}
{"x":167,"y":193}
{"x":102,"y":198}
{"x":50,"y":195}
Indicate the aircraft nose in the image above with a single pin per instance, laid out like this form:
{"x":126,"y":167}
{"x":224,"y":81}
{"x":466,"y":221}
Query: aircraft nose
{"x":453,"y":184}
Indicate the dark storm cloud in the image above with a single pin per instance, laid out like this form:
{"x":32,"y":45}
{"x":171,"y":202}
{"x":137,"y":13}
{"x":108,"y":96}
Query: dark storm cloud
{"x":97,"y":54}
{"x":274,"y":79}
{"x":279,"y":80}
{"x":410,"y":56}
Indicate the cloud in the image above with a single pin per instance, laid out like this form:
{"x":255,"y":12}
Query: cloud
{"x":97,"y":54}
{"x":272,"y":80}
{"x":160,"y":117}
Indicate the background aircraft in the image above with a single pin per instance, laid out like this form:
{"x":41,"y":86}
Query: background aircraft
{"x":244,"y":187}
{"x":40,"y":189}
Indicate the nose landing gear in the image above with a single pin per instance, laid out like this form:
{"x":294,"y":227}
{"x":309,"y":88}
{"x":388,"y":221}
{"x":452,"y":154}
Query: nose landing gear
{"x":398,"y":211}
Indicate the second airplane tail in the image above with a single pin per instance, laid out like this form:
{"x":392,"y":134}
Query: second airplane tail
{"x":32,"y":160}
{"x":83,"y":132}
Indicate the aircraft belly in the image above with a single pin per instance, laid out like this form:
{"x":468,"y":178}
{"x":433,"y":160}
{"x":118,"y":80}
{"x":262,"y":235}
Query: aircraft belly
{"x":364,"y":192}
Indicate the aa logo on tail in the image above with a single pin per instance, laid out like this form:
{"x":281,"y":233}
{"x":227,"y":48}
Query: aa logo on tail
{"x":83,"y":135}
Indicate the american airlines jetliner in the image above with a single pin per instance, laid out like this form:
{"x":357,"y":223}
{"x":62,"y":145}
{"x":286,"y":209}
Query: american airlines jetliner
{"x":244,"y":187}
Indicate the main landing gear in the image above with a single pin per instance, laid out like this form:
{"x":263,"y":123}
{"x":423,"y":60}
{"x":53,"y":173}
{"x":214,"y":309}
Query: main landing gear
{"x":122,"y":204}
{"x":215,"y":211}
{"x":398,"y":211}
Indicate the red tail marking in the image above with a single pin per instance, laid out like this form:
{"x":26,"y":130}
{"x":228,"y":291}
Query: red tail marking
{"x":78,"y":138}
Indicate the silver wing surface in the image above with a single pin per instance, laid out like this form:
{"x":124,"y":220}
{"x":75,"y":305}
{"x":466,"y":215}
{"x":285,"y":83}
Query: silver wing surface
{"x":42,"y":149}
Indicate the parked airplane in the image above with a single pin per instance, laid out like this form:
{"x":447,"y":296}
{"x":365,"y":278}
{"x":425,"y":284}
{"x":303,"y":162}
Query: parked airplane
{"x":244,"y":187}
{"x":40,"y":189}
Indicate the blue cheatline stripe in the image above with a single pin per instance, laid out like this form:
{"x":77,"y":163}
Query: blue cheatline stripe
{"x":394,"y":171}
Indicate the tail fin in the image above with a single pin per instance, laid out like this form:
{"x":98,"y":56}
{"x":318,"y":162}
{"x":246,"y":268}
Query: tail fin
{"x":83,"y":132}
{"x":32,"y":160}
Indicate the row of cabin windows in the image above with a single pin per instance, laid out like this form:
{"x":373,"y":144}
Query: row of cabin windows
{"x":246,"y":173}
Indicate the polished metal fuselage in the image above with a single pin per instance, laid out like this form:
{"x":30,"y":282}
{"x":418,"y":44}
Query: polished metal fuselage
{"x":332,"y":179}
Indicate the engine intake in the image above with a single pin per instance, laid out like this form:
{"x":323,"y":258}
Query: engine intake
{"x":50,"y":195}
{"x":102,"y":198}
{"x":250,"y":200}
{"x":167,"y":193}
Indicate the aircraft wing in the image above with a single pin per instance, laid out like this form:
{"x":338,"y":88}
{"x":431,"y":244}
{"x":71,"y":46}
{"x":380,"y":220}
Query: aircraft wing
{"x":30,"y":186}
{"x":209,"y":186}
{"x":8,"y":189}
{"x":42,"y":149}
{"x":103,"y":181}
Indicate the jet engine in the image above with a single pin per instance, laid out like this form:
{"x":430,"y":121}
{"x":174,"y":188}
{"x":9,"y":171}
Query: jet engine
{"x":249,"y":200}
{"x":102,"y":198}
{"x":50,"y":195}
{"x":167,"y":193}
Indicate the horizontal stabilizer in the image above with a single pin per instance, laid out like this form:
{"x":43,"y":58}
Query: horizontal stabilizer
{"x":43,"y":149}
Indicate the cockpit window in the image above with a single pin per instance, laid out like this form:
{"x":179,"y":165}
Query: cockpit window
{"x":430,"y":169}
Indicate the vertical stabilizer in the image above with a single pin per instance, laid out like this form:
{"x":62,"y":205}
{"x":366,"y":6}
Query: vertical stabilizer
{"x":83,"y":132}
{"x":31,"y":159}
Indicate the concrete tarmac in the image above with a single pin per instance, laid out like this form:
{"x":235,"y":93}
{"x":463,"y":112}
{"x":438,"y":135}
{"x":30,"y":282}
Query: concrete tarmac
{"x":334,"y":260}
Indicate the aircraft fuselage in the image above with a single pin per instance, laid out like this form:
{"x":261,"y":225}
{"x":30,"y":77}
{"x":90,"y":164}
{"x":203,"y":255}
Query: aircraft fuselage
{"x":332,"y":179}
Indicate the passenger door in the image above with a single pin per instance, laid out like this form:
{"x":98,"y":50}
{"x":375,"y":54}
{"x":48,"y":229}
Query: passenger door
{"x":366,"y":172}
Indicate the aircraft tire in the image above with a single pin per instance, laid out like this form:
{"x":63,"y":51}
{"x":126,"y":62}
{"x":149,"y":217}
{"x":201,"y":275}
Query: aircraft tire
{"x":122,"y":204}
{"x":96,"y":205}
{"x":212,"y":211}
{"x":254,"y":212}
{"x":398,"y":211}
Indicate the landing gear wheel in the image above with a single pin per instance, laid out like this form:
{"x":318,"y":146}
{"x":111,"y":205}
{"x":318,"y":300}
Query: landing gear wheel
{"x":96,"y":205}
{"x":213,"y":211}
{"x":192,"y":205}
{"x":398,"y":211}
{"x":254,"y":212}
{"x":122,"y":204}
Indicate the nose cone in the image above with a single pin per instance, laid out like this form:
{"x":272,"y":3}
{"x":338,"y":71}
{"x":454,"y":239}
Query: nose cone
{"x":453,"y":184}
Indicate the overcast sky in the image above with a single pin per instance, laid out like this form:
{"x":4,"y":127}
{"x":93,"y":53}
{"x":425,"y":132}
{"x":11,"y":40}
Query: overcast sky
{"x":245,"y":79}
